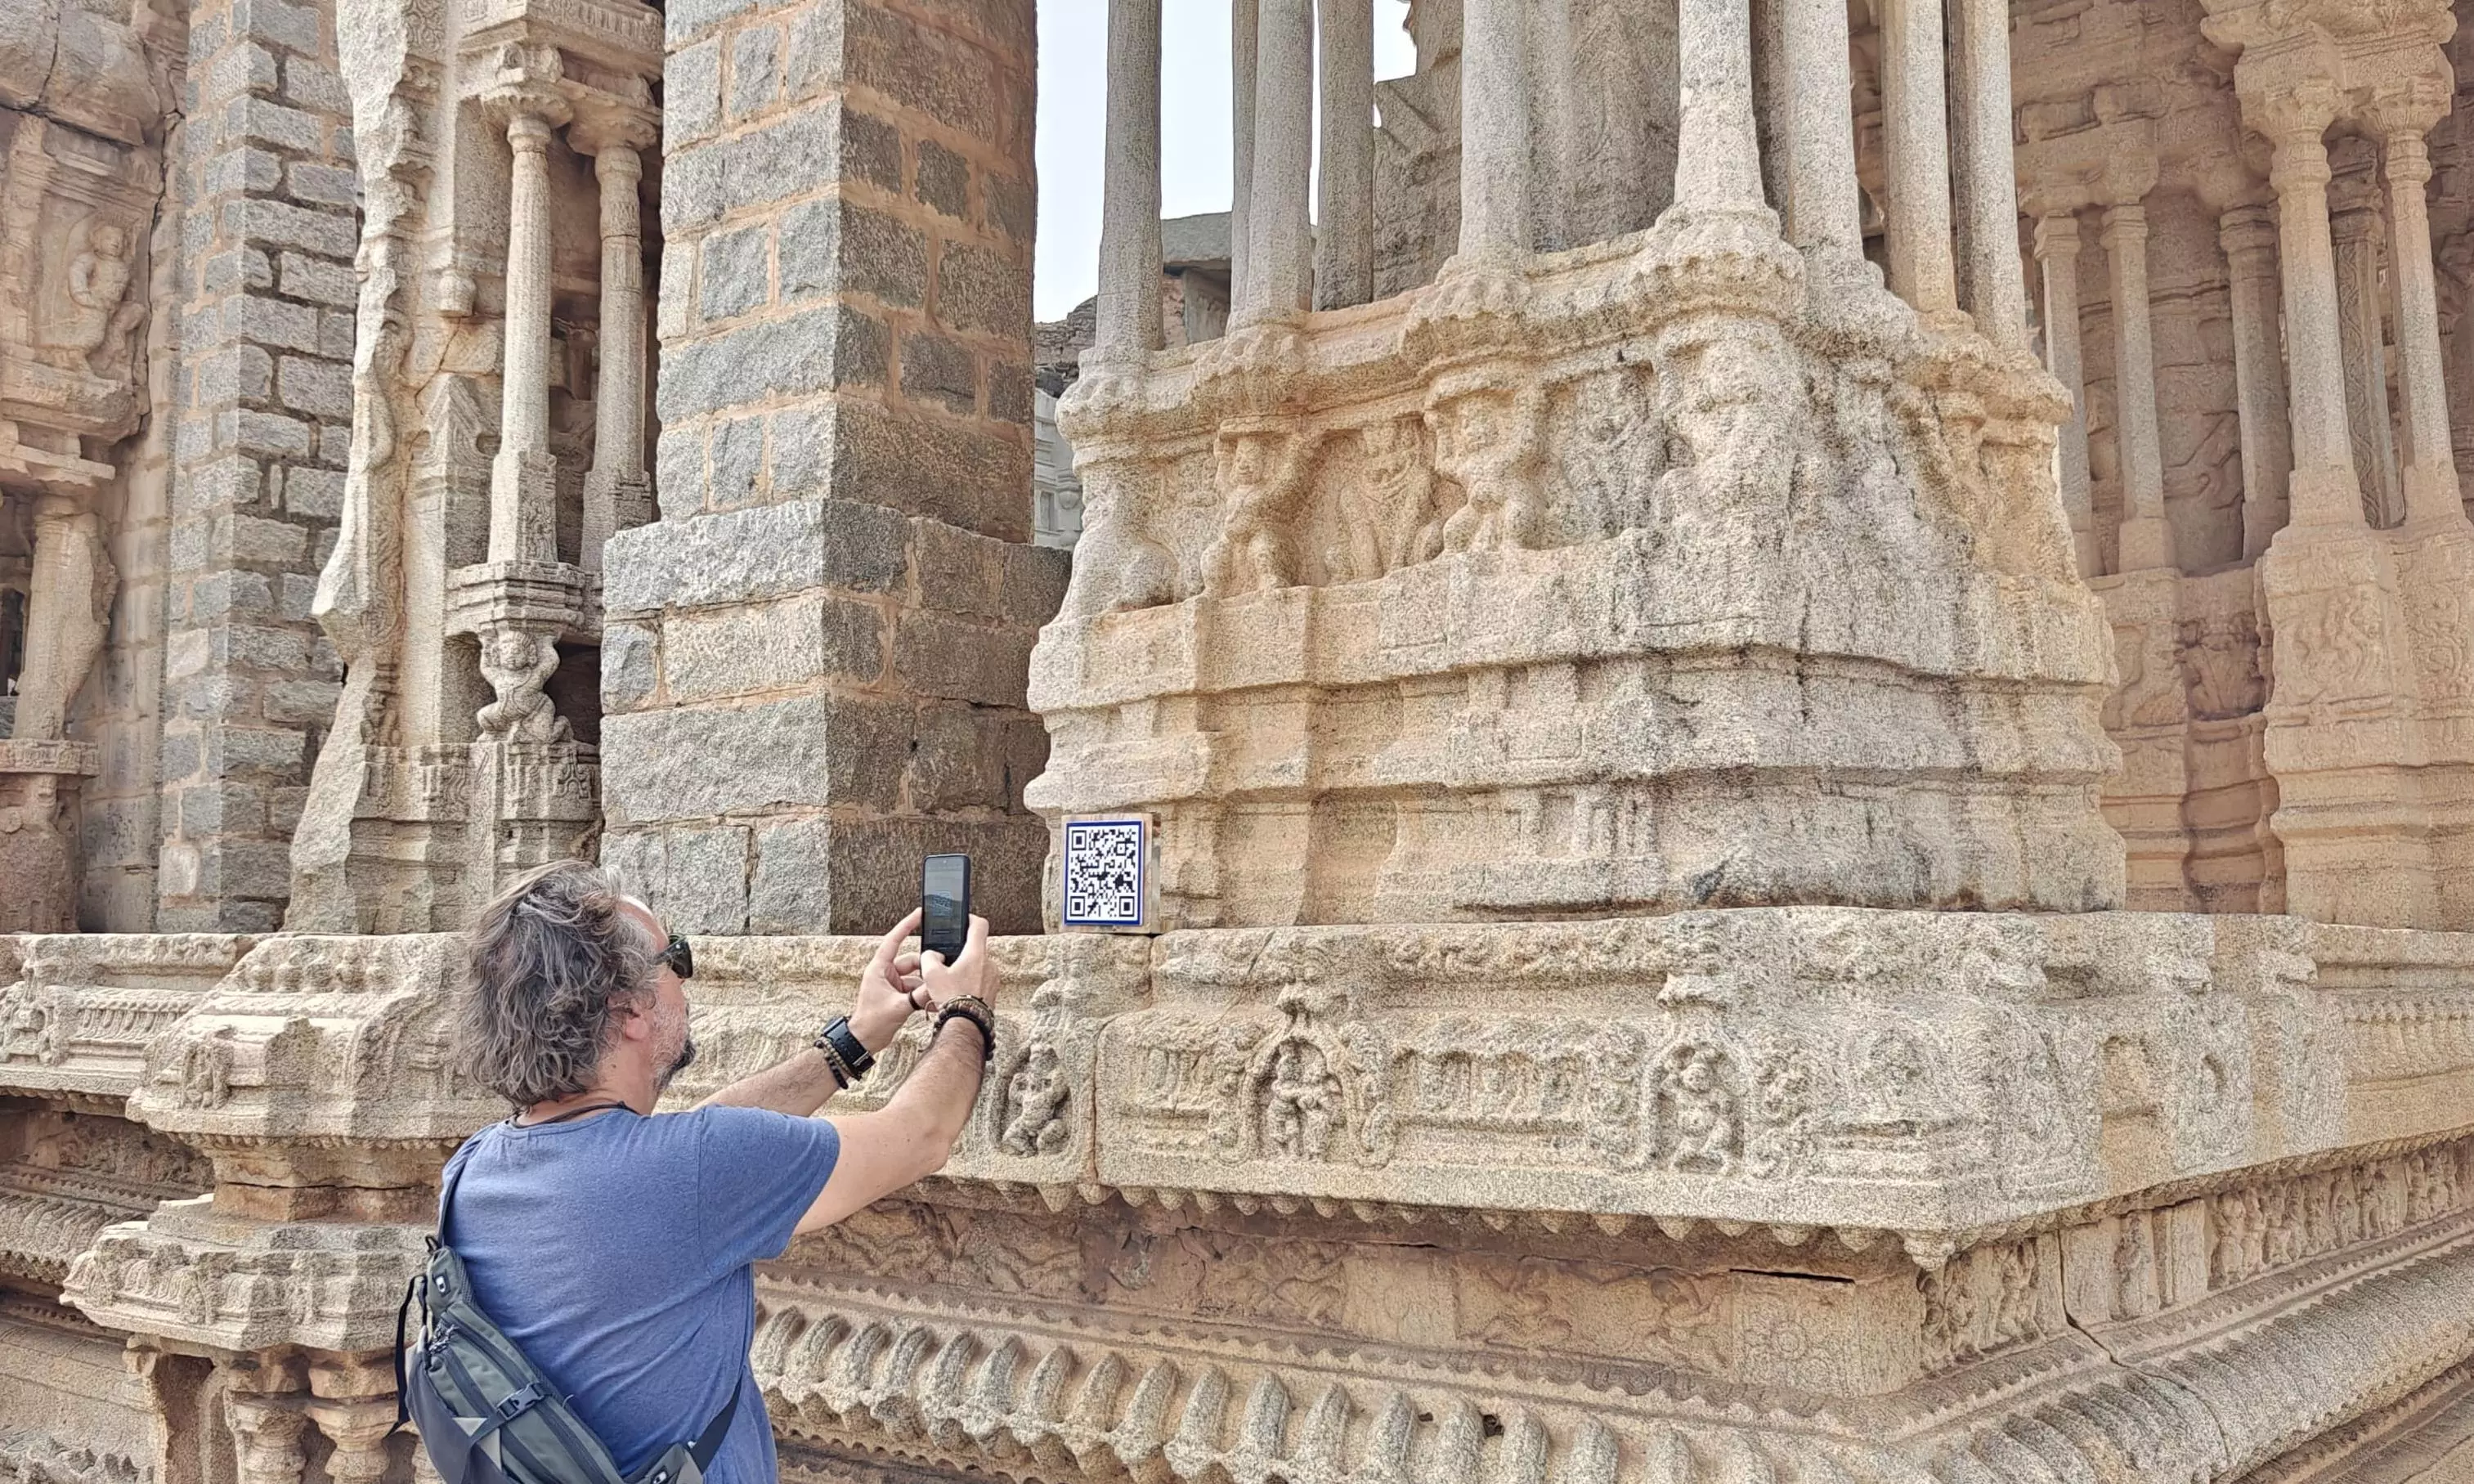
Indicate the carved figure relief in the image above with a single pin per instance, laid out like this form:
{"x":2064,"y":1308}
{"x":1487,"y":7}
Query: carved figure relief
{"x":88,"y":317}
{"x":2221,"y":667}
{"x":517,"y":663}
{"x":1699,"y":1110}
{"x":1037,"y":1097}
{"x":1487,"y":441}
{"x":1264,"y":476}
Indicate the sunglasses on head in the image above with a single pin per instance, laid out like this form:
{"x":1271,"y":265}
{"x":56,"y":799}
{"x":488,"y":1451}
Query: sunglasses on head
{"x":679,"y":957}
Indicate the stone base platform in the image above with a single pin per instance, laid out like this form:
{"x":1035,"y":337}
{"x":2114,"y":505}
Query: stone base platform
{"x":1779,"y":1195}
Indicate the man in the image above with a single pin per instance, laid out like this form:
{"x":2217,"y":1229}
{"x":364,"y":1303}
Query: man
{"x":615,"y":1247}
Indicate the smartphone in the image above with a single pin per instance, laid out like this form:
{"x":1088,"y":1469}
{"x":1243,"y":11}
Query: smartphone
{"x":945,"y":905}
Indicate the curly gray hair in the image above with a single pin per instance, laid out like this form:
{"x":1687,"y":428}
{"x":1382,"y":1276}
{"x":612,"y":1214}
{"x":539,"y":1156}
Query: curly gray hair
{"x":552,"y":958}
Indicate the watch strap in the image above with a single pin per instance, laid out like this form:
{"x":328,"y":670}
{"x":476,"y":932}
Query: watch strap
{"x":841,"y":1042}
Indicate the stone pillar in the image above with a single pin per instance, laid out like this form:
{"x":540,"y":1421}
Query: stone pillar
{"x":2324,"y":490}
{"x":2147,"y":539}
{"x":1997,"y":289}
{"x":2248,"y":236}
{"x":260,"y":412}
{"x":1245,"y":24}
{"x":1822,"y":199}
{"x":1915,"y":142}
{"x":2405,"y":113}
{"x":616,"y":492}
{"x":66,"y":615}
{"x":1344,"y":232}
{"x":359,"y":1431}
{"x":2057,"y":251}
{"x":1717,"y":154}
{"x":270,"y":1431}
{"x":813,"y":663}
{"x":1494,"y":131}
{"x":2354,"y":229}
{"x":1280,"y":229}
{"x":1129,"y":214}
{"x":523,"y":507}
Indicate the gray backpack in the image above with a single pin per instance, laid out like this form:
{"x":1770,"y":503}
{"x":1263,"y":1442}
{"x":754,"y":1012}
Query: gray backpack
{"x":487,"y":1415}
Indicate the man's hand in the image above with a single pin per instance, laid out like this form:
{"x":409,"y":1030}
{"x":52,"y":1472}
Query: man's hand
{"x":888,"y":989}
{"x":971,"y":975}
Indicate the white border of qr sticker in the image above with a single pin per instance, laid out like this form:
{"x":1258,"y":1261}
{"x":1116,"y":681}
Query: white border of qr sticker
{"x":1142,"y":865}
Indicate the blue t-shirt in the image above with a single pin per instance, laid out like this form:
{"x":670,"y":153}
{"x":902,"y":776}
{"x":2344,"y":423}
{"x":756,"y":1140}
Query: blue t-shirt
{"x":616,"y":1249}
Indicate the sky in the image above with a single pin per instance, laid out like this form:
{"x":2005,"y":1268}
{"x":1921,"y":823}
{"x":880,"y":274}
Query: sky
{"x":1194,"y":125}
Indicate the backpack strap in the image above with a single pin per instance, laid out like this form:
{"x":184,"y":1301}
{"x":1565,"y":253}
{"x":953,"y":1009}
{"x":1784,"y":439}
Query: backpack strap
{"x":686,"y":1462}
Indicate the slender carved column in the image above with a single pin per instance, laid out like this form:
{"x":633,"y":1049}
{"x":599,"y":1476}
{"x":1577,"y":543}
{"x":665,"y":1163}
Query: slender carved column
{"x":2057,"y":251}
{"x":1997,"y":289}
{"x":2249,"y":235}
{"x":614,"y":490}
{"x":66,"y":614}
{"x":1245,"y":24}
{"x":2147,"y":539}
{"x":2405,"y":113}
{"x":1129,"y":214}
{"x":2324,"y":489}
{"x":2354,"y":229}
{"x":1822,"y":199}
{"x":1915,"y":141}
{"x":522,"y":501}
{"x":1717,"y":155}
{"x":1278,"y":225}
{"x":1345,"y":239}
{"x":270,"y":1434}
{"x":1494,"y":131}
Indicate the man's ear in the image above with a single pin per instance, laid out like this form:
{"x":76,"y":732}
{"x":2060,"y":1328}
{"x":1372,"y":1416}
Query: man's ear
{"x":635,"y":1019}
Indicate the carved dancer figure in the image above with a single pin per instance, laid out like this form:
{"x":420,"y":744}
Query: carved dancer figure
{"x":1035,"y":1099}
{"x":1487,"y":441}
{"x":1298,"y":1117}
{"x":1705,"y":1112}
{"x":1263,"y":478}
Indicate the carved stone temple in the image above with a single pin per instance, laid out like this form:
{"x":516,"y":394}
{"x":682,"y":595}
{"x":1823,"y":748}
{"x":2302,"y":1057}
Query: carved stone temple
{"x":1804,"y":671}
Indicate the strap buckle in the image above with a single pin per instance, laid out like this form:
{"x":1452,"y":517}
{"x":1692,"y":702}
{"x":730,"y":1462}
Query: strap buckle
{"x":516,"y":1403}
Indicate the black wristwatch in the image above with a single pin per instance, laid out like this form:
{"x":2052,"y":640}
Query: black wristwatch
{"x":842,"y":1046}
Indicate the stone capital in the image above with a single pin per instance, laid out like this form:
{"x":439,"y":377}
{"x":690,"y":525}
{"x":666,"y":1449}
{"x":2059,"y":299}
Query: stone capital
{"x":2126,"y":223}
{"x":2293,"y":114}
{"x":2406,"y":106}
{"x":2247,"y":230}
{"x":612,"y":129}
{"x":2058,"y":236}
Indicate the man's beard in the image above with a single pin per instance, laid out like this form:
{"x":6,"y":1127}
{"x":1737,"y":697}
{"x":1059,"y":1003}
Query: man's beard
{"x":683,"y":1058}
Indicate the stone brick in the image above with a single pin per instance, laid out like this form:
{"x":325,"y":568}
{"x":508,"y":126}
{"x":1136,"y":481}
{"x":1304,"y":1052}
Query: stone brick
{"x":273,"y":223}
{"x":271,"y":123}
{"x":950,"y":767}
{"x":1009,"y":389}
{"x":703,"y":881}
{"x":962,"y":474}
{"x":685,"y":20}
{"x":940,"y":371}
{"x":800,"y":439}
{"x":804,"y":752}
{"x":303,"y":702}
{"x":240,"y":752}
{"x":933,"y":655}
{"x":749,"y":556}
{"x":944,"y":179}
{"x":264,"y":433}
{"x":800,"y":354}
{"x":229,"y":272}
{"x":270,"y":322}
{"x":302,"y":277}
{"x":1012,"y":207}
{"x":754,"y":70}
{"x":789,"y":886}
{"x":630,"y":666}
{"x":737,"y":451}
{"x":333,"y":184}
{"x":812,"y":60}
{"x":322,"y":388}
{"x":983,"y":291}
{"x":959,"y":573}
{"x":835,"y":247}
{"x":240,"y":372}
{"x":314,"y":493}
{"x":771,"y":646}
{"x":1034,"y":583}
{"x":948,"y":80}
{"x":692,"y":93}
{"x":314,"y":86}
{"x":678,"y":472}
{"x":246,"y":69}
{"x":240,"y":171}
{"x":734,"y":272}
{"x":231,"y":594}
{"x":295,"y":26}
{"x":245,"y":538}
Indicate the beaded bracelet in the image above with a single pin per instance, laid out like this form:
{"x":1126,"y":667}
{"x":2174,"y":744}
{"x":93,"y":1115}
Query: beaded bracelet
{"x":978,"y":1012}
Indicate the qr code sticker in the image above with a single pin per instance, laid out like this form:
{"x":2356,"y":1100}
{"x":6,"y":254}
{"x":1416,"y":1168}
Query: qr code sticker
{"x":1104,"y":874}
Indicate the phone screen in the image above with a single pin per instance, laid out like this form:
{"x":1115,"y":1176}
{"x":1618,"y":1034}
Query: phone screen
{"x":945,"y":904}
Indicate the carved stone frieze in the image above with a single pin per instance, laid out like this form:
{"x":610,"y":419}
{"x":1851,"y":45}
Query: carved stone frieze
{"x":78,"y":1011}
